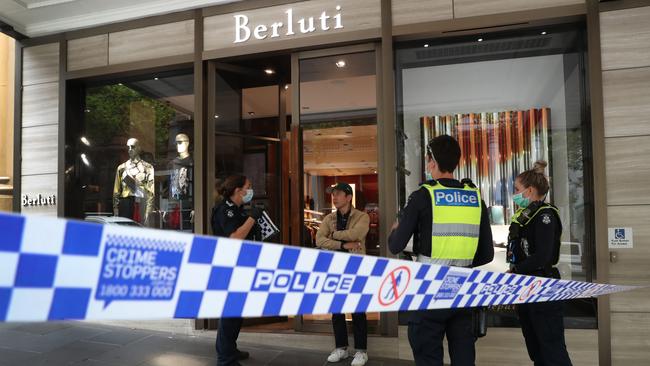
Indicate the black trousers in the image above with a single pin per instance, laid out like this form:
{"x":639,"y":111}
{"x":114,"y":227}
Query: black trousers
{"x":227,"y":341}
{"x":359,"y":328}
{"x":543,"y":328}
{"x":426,"y":331}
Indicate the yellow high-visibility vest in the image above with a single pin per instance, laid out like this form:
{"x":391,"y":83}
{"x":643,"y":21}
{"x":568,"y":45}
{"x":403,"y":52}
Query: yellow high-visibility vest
{"x":456,"y":224}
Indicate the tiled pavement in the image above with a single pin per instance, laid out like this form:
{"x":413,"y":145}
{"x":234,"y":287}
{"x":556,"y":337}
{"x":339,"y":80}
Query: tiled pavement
{"x":75,"y":343}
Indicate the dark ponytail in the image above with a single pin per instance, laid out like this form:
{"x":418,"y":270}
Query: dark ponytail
{"x":230,"y":184}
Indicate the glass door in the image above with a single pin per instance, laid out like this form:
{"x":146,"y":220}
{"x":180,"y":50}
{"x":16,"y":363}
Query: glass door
{"x":335,"y":120}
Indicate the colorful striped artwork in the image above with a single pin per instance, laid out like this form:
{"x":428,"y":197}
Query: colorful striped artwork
{"x":495,"y":148}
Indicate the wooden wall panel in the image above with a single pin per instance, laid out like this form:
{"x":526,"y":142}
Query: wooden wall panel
{"x":626,"y":95}
{"x":40,"y":104}
{"x":628,"y":170}
{"x":631,"y":267}
{"x":419,"y":11}
{"x":84,"y":53}
{"x":33,"y":185}
{"x":219,"y":30}
{"x":630,"y":338}
{"x":625,"y":38}
{"x":469,"y":8}
{"x":40,"y":150}
{"x":41,"y":64}
{"x":153,"y":42}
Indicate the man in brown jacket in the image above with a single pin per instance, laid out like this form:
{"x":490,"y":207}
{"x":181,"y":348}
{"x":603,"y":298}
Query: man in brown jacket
{"x":346,"y":230}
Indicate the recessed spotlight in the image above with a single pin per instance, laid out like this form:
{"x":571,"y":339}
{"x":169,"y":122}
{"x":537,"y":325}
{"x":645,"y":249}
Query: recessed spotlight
{"x":251,"y":114}
{"x":269,"y":71}
{"x":120,"y":84}
{"x":286,"y":87}
{"x":85,"y":160}
{"x":87,"y":110}
{"x":480,"y":39}
{"x":155,"y":78}
{"x":85,"y":141}
{"x":426,"y":45}
{"x":543,"y":33}
{"x":216,"y":116}
{"x":341,"y":64}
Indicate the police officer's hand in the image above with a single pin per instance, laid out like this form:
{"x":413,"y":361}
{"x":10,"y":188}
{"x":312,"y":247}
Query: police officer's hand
{"x":255,"y":212}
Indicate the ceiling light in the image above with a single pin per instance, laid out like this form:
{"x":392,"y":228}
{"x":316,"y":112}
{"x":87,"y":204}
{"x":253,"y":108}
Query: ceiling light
{"x":269,"y":71}
{"x":286,"y":87}
{"x":155,"y":78}
{"x":87,"y":110}
{"x":480,"y":39}
{"x":216,"y":116}
{"x":341,"y":64}
{"x":84,"y":158}
{"x":251,"y":114}
{"x":544,"y":33}
{"x":426,"y":45}
{"x":85,"y":141}
{"x":119,"y":84}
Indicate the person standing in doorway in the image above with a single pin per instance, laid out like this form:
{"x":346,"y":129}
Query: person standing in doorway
{"x":345,"y":230}
{"x":451,"y":227}
{"x":229,"y":220}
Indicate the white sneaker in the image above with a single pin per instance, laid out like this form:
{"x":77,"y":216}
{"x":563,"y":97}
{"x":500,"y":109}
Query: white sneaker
{"x":360,"y":358}
{"x":338,"y":354}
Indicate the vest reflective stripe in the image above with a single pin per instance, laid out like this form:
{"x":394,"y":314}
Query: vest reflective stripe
{"x":456,"y":224}
{"x":469,"y":230}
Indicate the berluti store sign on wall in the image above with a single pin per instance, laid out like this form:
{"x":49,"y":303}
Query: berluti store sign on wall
{"x":270,"y":27}
{"x":33,"y":200}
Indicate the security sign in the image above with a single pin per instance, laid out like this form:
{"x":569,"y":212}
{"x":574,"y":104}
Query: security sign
{"x":394,"y":285}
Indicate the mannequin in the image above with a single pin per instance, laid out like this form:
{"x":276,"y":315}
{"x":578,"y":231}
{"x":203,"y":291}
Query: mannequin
{"x":181,"y":184}
{"x":134,"y":186}
{"x":182,"y":169}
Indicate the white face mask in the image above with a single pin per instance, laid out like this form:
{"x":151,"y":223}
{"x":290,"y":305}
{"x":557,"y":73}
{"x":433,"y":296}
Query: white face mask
{"x":248,"y":196}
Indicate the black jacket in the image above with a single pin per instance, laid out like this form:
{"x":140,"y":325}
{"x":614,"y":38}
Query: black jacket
{"x":543,"y":234}
{"x":228,"y":217}
{"x":417,"y":218}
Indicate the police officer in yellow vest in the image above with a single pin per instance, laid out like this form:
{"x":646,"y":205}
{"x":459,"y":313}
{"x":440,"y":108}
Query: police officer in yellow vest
{"x":450,"y":226}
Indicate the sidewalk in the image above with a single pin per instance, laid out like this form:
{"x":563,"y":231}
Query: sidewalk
{"x":76,"y":343}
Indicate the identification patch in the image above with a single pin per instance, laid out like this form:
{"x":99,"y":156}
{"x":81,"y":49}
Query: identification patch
{"x":546,"y":219}
{"x":456,"y":197}
{"x":230,"y":213}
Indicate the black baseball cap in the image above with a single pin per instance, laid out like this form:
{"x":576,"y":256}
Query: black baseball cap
{"x":343,"y":187}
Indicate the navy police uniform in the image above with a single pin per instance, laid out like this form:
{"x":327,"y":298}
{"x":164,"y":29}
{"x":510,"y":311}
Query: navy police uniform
{"x":427,"y":328}
{"x":227,"y":217}
{"x":534,"y":249}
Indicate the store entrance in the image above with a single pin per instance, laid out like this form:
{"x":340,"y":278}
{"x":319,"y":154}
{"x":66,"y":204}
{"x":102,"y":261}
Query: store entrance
{"x":293,"y":143}
{"x":337,"y":119}
{"x":248,"y":121}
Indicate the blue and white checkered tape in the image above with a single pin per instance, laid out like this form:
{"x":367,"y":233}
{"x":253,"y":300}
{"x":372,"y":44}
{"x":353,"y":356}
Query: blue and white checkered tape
{"x":52,"y":269}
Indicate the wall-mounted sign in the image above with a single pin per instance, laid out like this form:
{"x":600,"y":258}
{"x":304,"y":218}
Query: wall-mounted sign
{"x":621,"y":238}
{"x":288,"y":27}
{"x":38,"y":200}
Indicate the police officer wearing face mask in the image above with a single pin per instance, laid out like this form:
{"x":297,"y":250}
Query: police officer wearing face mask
{"x":534,"y":249}
{"x":450,"y":226}
{"x":230,"y":220}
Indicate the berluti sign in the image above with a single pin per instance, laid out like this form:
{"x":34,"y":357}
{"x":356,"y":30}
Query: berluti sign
{"x":267,"y":27}
{"x":32,"y":200}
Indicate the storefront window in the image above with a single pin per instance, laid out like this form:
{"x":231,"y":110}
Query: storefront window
{"x":129,"y":157}
{"x":510,"y":100}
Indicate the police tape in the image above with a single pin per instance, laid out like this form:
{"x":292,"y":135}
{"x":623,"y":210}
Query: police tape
{"x":55,"y":269}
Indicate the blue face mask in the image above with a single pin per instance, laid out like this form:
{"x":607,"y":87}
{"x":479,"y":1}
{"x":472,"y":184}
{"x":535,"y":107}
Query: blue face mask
{"x":248,"y":196}
{"x":520,"y":200}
